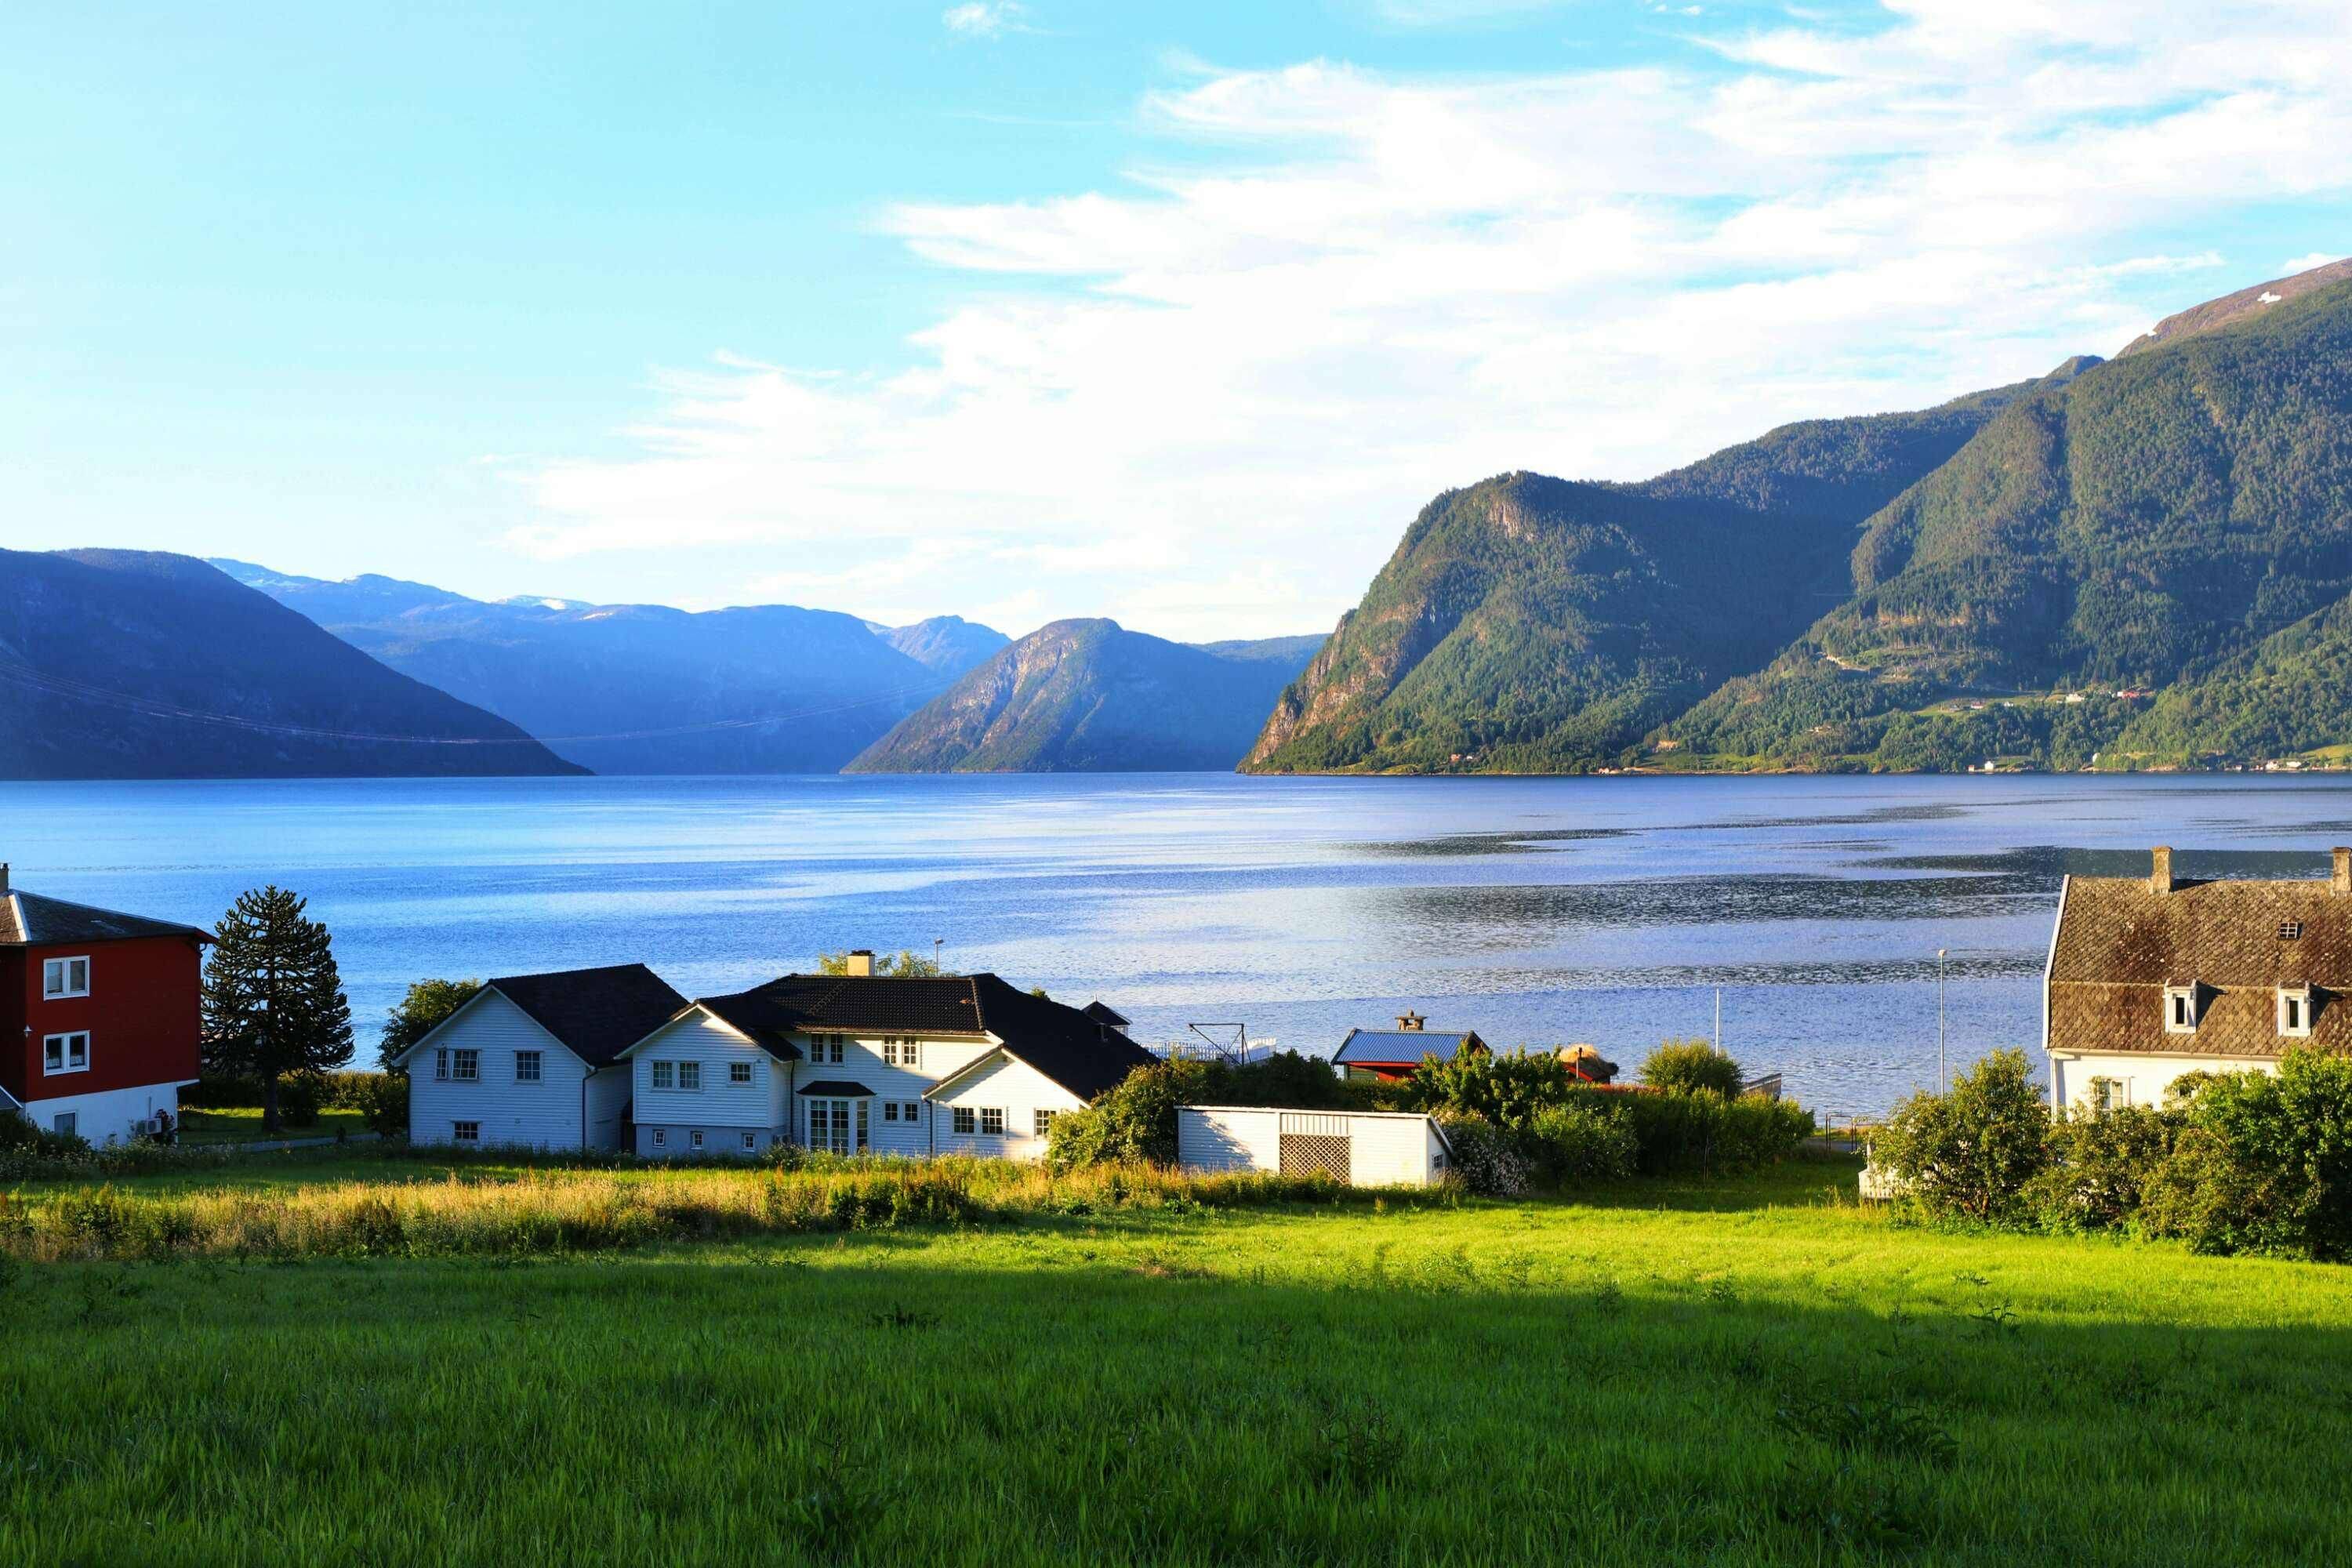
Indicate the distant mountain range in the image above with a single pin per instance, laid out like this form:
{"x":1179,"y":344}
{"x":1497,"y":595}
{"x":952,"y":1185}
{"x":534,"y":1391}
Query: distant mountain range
{"x":2004,"y":579}
{"x":133,"y":664}
{"x":644,"y":689}
{"x":1089,"y":696}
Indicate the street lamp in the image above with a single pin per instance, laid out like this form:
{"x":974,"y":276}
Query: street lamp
{"x":1943,"y":1075}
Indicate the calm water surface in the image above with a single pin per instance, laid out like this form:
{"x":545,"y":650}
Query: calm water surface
{"x":1532,"y":910}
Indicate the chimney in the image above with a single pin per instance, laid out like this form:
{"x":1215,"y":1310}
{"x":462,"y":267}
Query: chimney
{"x":2159,"y":880}
{"x":4,"y":872}
{"x":1410,"y":1022}
{"x":861,"y":963}
{"x":2340,"y":884}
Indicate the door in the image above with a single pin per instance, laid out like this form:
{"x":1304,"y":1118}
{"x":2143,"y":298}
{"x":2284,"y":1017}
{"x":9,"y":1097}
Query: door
{"x":837,"y":1126}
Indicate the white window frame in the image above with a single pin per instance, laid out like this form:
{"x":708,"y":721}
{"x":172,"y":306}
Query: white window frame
{"x":63,"y":970}
{"x":750,"y":1142}
{"x":65,"y":1054}
{"x":2294,"y":1001}
{"x":458,"y":1132}
{"x":661,"y":1137}
{"x":665,"y":1075}
{"x":994,"y":1113}
{"x":694,"y":1138}
{"x":2179,"y":1005}
{"x":537,"y":1063}
{"x":1043,"y":1120}
{"x":465,"y":1065}
{"x":900,"y":1052}
{"x":689,"y":1078}
{"x":738,"y":1075}
{"x":964,"y":1120}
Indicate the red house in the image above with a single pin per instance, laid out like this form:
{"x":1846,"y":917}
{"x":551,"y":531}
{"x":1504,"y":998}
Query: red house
{"x":98,"y":1015}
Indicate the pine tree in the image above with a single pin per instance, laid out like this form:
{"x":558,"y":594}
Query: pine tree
{"x":273,"y":1002}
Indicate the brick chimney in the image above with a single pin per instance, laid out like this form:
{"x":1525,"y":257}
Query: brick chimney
{"x":2340,"y":884}
{"x":2159,"y":880}
{"x":861,"y":963}
{"x":1411,"y":1022}
{"x":4,"y":875}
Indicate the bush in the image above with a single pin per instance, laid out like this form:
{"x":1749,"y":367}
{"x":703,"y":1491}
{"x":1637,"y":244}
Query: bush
{"x":1488,"y":1159}
{"x":1507,"y":1091}
{"x":1692,"y":1067}
{"x":2262,"y":1163}
{"x":1971,"y":1152}
{"x":20,"y":1138}
{"x":1703,"y":1132}
{"x":2097,"y":1167}
{"x":382,"y":1099}
{"x":298,"y":1099}
{"x":1135,"y":1120}
{"x":1582,"y":1144}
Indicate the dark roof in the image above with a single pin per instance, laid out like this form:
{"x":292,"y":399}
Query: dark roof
{"x":1103,"y":1013}
{"x":596,"y":1013}
{"x":2120,"y":943}
{"x":29,"y":920}
{"x":1081,"y":1054}
{"x":1388,"y":1047}
{"x":839,"y":1088}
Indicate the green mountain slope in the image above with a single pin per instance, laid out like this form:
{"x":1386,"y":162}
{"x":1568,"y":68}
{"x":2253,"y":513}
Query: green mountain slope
{"x":2289,"y":694}
{"x":2136,"y":527}
{"x":1529,"y":624}
{"x":1087,"y":696}
{"x":134,"y":664}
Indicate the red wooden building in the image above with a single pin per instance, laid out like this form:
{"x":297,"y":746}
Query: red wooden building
{"x":100,"y":1012}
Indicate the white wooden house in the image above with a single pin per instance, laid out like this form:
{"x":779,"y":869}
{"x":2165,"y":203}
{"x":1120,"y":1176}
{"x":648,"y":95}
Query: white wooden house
{"x":533,"y":1060}
{"x":1362,"y":1148}
{"x":871,"y":1064}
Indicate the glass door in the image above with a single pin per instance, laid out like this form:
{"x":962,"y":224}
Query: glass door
{"x":837,"y":1126}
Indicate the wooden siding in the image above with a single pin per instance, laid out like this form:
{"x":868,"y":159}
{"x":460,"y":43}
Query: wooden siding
{"x":542,"y":1115}
{"x":2142,"y":1076}
{"x":1384,"y":1149}
{"x":724,"y":1110}
{"x":1014,"y":1086}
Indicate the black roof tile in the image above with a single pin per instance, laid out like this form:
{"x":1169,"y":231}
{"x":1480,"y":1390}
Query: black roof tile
{"x":596,"y":1013}
{"x":30,"y":920}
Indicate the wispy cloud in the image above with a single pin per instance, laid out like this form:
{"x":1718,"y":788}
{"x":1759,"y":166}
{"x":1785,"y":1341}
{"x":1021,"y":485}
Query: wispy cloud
{"x":985,"y":19}
{"x":1207,"y":400}
{"x":2295,"y":264}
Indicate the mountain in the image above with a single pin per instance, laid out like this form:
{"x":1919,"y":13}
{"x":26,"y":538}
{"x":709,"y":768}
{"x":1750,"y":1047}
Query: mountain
{"x":1087,"y":696}
{"x":947,"y":644}
{"x":2154,"y":524}
{"x":1293,"y":651}
{"x":1529,"y":624}
{"x":134,"y":664}
{"x":634,"y":689}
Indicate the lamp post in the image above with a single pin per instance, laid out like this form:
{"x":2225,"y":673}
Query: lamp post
{"x":1943,"y":1080}
{"x":935,"y":952}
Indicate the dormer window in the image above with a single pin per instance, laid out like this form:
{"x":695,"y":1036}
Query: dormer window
{"x":2290,"y":930}
{"x":2180,"y":1009}
{"x":2294,"y":1012}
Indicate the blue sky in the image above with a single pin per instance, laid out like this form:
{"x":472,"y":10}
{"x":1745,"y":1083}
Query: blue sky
{"x":1173,"y":312}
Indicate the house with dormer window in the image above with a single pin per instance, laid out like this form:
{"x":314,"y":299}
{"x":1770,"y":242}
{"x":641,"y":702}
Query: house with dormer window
{"x":2152,"y":978}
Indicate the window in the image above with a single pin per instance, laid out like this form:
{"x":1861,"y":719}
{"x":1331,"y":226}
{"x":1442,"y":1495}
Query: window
{"x":910,"y":1110}
{"x":837,"y":1126}
{"x":665,"y":1075}
{"x":661,"y":1137}
{"x":1044,"y":1122}
{"x":2290,"y":930}
{"x":992,"y":1122}
{"x":899,"y":1051}
{"x":2294,"y":1012}
{"x":466,"y":1066}
{"x":66,"y":1053}
{"x":2180,"y":1009}
{"x":889,"y":1111}
{"x":695,"y":1138}
{"x":750,"y":1142}
{"x":526,"y":1066}
{"x":689,"y":1074}
{"x":826,"y":1048}
{"x":964,"y":1119}
{"x":65,"y":1121}
{"x":465,"y":1132}
{"x":739,"y":1074}
{"x":64,"y":977}
{"x":2110,"y":1094}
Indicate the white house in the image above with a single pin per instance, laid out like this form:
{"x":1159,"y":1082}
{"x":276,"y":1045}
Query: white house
{"x":864,"y":1063}
{"x":2152,"y":978}
{"x":533,"y":1060}
{"x":1362,"y":1148}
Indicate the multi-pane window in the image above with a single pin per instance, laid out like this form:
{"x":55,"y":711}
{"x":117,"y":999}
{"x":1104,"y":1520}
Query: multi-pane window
{"x":899,"y":1052}
{"x":889,"y":1111}
{"x":661,"y":1137}
{"x":827,"y":1048}
{"x":964,"y":1120}
{"x":464,"y":1065}
{"x":1044,"y":1122}
{"x":750,"y":1142}
{"x":739,"y":1073}
{"x":695,"y":1137}
{"x":527,"y":1065}
{"x":466,"y":1131}
{"x":64,"y":977}
{"x":910,"y":1110}
{"x":992,"y":1122}
{"x":689,"y":1074}
{"x":665,"y":1075}
{"x":66,"y":1053}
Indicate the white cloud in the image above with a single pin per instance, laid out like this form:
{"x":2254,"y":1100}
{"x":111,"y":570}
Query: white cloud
{"x":984,"y":19}
{"x":1207,"y":401}
{"x":2296,"y":264}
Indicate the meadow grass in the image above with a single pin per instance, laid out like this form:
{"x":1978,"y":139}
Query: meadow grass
{"x":242,"y":1124}
{"x":1687,"y":1372}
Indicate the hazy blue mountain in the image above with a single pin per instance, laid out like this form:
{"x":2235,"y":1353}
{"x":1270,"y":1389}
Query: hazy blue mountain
{"x":1293,"y":651}
{"x":947,"y":644}
{"x":635,"y":688}
{"x":1088,"y":696}
{"x":135,"y":664}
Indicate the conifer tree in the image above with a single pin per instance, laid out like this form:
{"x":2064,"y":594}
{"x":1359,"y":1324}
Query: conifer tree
{"x":273,"y":1001}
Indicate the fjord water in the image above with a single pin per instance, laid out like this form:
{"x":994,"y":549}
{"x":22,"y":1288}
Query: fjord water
{"x":1540,"y":910}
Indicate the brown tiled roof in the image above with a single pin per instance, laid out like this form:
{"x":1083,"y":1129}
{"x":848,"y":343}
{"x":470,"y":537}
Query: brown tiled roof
{"x":2120,"y":943}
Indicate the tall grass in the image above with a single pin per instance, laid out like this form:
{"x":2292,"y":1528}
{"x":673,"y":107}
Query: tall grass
{"x":538,"y":1212}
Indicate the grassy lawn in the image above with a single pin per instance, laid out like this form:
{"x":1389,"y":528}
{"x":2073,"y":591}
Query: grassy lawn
{"x":1699,"y":1372}
{"x":242,"y":1124}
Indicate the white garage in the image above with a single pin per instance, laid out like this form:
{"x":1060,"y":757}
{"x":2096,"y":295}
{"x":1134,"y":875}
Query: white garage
{"x":1362,"y":1148}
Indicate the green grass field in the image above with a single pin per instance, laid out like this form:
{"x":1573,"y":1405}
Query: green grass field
{"x":242,"y":1124}
{"x":1735,"y":1373}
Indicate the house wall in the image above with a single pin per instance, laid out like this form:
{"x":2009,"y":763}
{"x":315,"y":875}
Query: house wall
{"x":861,"y":1062}
{"x":142,"y":1016}
{"x":721,"y":1110}
{"x":1383,"y":1149}
{"x":542,"y":1115}
{"x":1218,"y":1138}
{"x":109,"y":1115}
{"x":2141,"y":1077}
{"x":1015,"y":1088}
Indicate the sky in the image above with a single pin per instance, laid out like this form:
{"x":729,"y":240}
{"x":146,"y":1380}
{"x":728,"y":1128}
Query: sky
{"x":1172,"y":312}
